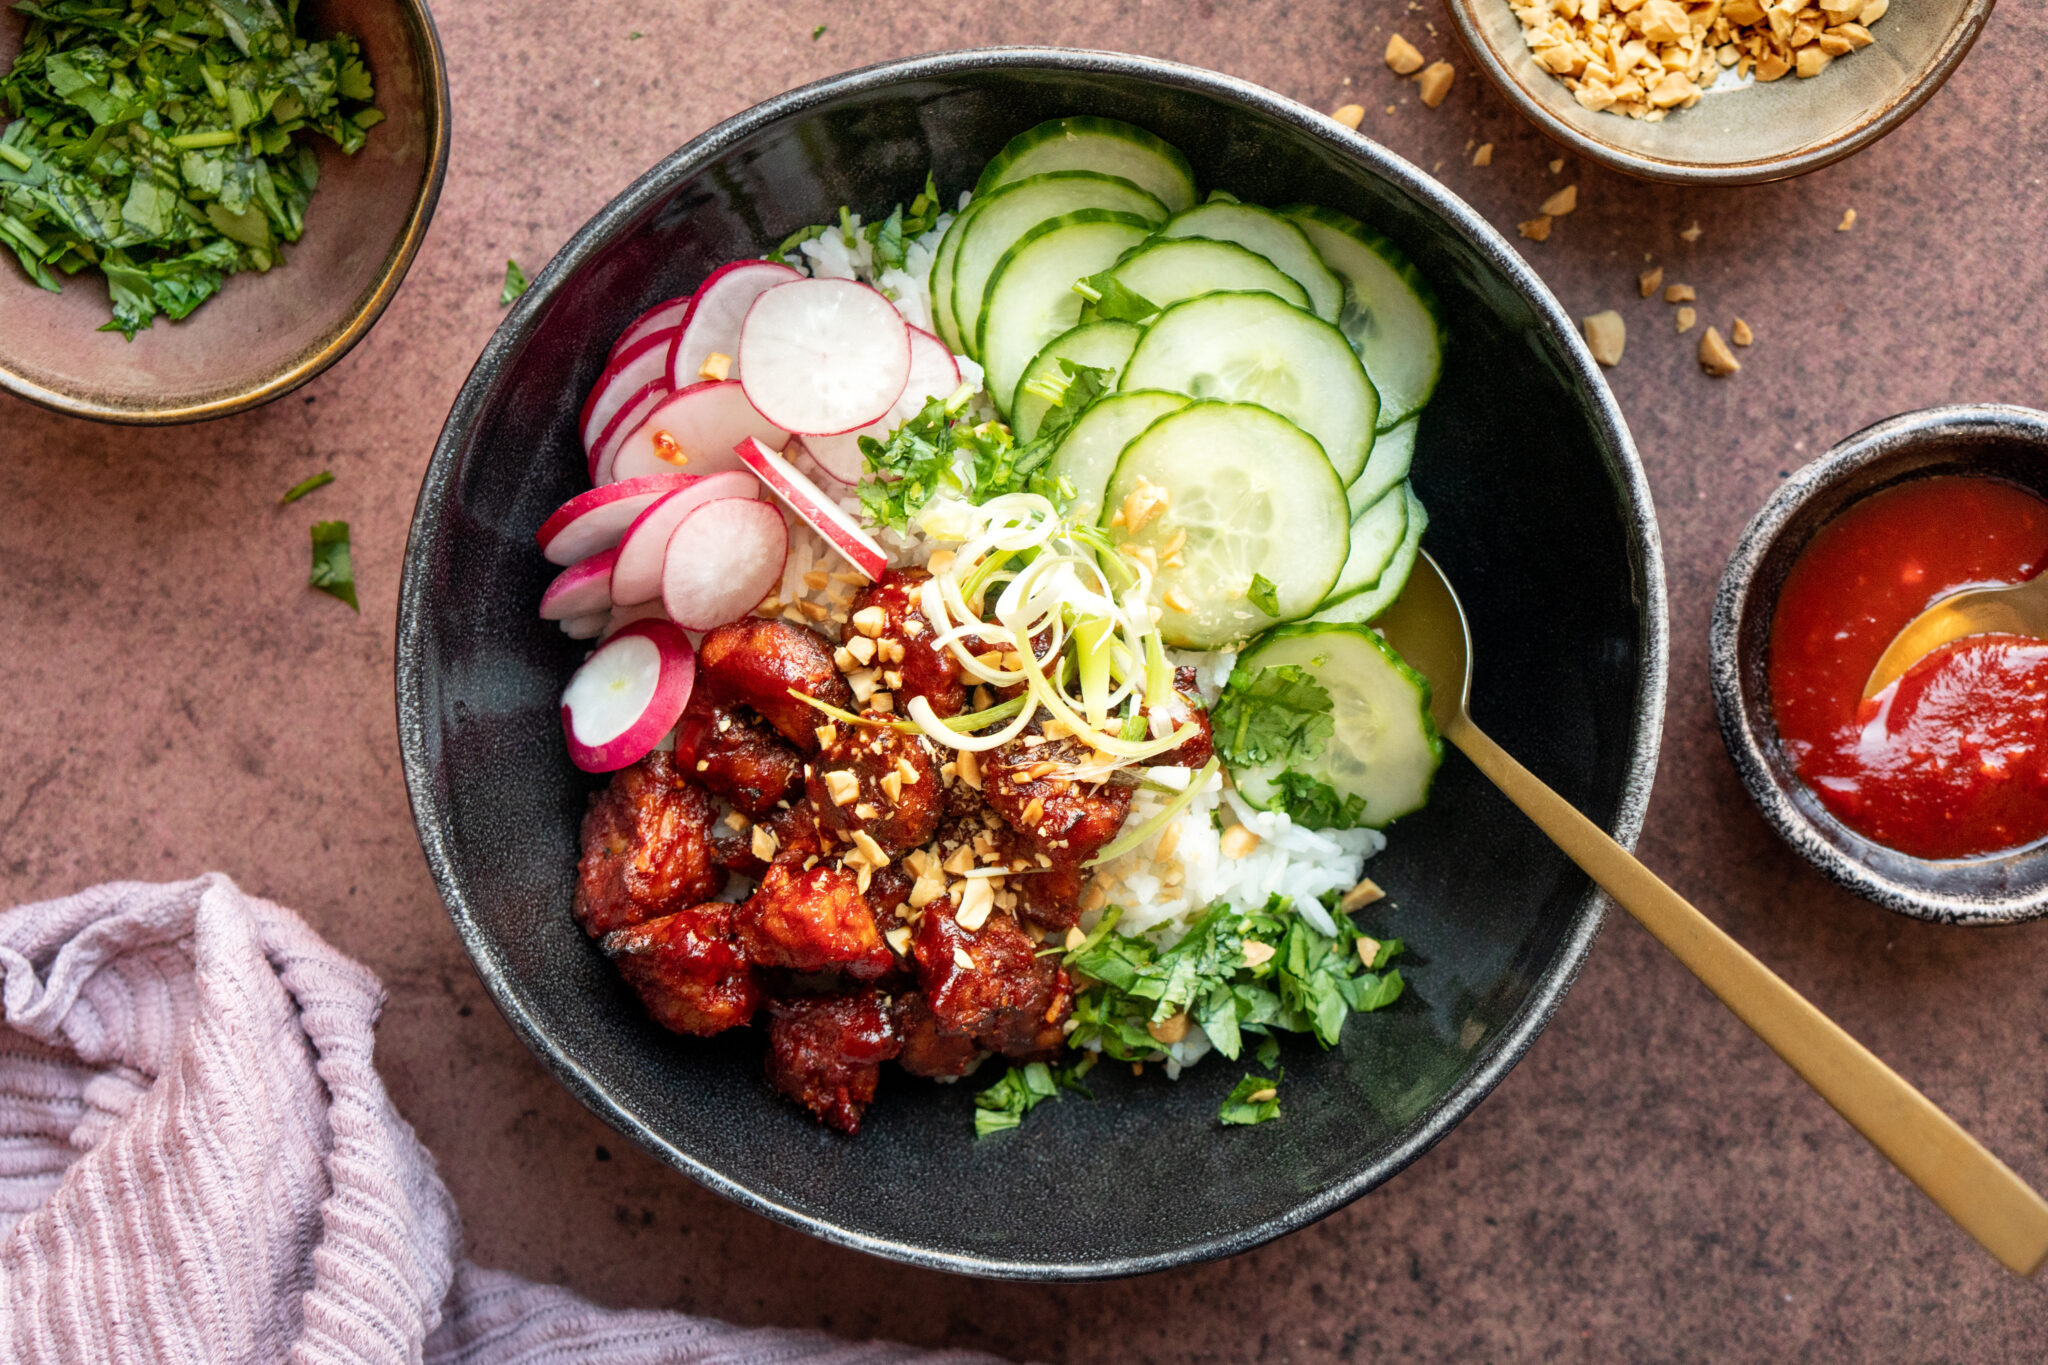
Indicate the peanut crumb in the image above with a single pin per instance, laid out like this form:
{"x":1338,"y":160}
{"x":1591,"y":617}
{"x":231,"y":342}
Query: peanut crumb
{"x":1715,"y":357}
{"x":1740,"y":333}
{"x":842,"y":786}
{"x":1350,"y":115}
{"x":1261,"y":1096}
{"x":1557,"y":165}
{"x":764,"y":844}
{"x":962,"y":960}
{"x":1436,"y":82}
{"x":1075,"y":938}
{"x":1365,"y":893}
{"x":1403,"y":58}
{"x":1368,"y":949}
{"x":1686,"y":318}
{"x":1691,"y":234}
{"x":1169,"y":1030}
{"x":1606,"y":335}
{"x":871,"y":621}
{"x":1257,"y":953}
{"x":1484,"y":156}
{"x":1535,"y":229}
{"x":1239,"y":842}
{"x":1848,"y":221}
{"x":1679,"y":293}
{"x":1650,"y":280}
{"x":715,"y":366}
{"x":1561,"y":203}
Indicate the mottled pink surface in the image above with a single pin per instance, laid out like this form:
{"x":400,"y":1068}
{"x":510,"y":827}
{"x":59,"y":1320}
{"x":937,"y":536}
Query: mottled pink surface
{"x":1650,"y":1183}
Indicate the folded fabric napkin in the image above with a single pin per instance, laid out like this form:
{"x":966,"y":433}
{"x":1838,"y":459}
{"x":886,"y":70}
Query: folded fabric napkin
{"x":199,"y":1163}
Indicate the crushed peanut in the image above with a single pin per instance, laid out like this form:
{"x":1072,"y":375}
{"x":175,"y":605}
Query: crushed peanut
{"x":1691,"y":234}
{"x":1034,"y":811}
{"x":1679,"y":293}
{"x":1143,"y":503}
{"x":1715,"y":357}
{"x":977,"y":901}
{"x":842,"y":786}
{"x":1169,"y":841}
{"x":1561,"y":203}
{"x":1848,"y":220}
{"x":1740,"y":333}
{"x":1075,"y":938}
{"x":1686,"y":318}
{"x":1435,"y":81}
{"x":1261,"y":1096}
{"x":1350,"y":115}
{"x":1238,"y":842}
{"x":764,"y":844}
{"x":1257,"y":954}
{"x":1365,"y":893}
{"x":716,"y":366}
{"x":1403,"y":58}
{"x":1650,"y":281}
{"x":1535,"y":229}
{"x":892,"y":787}
{"x":1169,"y":1030}
{"x":1484,"y":156}
{"x":962,"y":960}
{"x":898,"y":940}
{"x":970,"y":768}
{"x":1368,"y":949}
{"x":1606,"y":334}
{"x":862,"y":649}
{"x":871,"y":621}
{"x":869,"y":849}
{"x":1176,"y":600}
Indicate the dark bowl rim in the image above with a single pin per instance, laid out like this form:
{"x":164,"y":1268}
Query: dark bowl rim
{"x":1962,"y":36}
{"x":1749,"y":747}
{"x":1502,"y":1051}
{"x":426,"y":42}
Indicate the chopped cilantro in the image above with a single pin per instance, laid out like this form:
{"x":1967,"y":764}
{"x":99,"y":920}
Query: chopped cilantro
{"x":941,"y":450}
{"x":1264,"y":595}
{"x":1314,"y":804}
{"x":515,"y":284}
{"x":333,"y":573}
{"x":1112,"y":300}
{"x":634,"y":36}
{"x":160,"y":143}
{"x":817,"y":33}
{"x":1272,"y":715}
{"x":307,"y":485}
{"x":1253,"y":1100}
{"x":1068,"y":389}
{"x":1003,"y":1105}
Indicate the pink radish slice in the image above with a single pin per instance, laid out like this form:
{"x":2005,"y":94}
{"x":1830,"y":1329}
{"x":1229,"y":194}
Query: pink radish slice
{"x":586,"y":627}
{"x":645,"y":360}
{"x":809,"y":502}
{"x":712,"y":326}
{"x":595,"y":520}
{"x":933,"y":374}
{"x":665,"y":316}
{"x":820,"y":357}
{"x":722,"y":560}
{"x":621,"y":617}
{"x":628,"y":694}
{"x":695,"y":429}
{"x":582,"y":589}
{"x":626,"y":421}
{"x":636,"y":578}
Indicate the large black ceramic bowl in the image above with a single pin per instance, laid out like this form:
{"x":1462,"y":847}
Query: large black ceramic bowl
{"x":1539,"y":514}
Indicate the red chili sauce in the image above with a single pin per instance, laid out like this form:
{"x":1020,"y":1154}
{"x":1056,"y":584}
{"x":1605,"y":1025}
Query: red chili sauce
{"x":1950,"y":761}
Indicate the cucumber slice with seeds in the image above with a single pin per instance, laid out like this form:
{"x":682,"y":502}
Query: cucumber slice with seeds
{"x":1393,"y":452}
{"x":991,"y":226}
{"x":1376,"y":534}
{"x":1030,"y":297}
{"x":1385,"y":749}
{"x":1103,"y":345}
{"x":1253,"y":348}
{"x":1088,"y":450}
{"x":1390,"y":313}
{"x":1166,"y":272}
{"x":1248,"y":496}
{"x":1271,"y":236}
{"x":1102,"y":145}
{"x":1367,"y":605}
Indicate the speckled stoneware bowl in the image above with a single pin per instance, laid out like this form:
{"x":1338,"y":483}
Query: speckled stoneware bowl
{"x":1539,"y":512}
{"x":262,"y":335}
{"x":2008,"y":442}
{"x":1739,"y":136}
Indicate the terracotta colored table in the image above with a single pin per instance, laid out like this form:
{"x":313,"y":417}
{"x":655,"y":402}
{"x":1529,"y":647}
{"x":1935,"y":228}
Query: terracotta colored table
{"x":1650,"y":1183}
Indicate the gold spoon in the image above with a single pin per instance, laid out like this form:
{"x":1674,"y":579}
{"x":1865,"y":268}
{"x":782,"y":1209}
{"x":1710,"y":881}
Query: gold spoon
{"x":2019,"y":609}
{"x":1970,"y":1184}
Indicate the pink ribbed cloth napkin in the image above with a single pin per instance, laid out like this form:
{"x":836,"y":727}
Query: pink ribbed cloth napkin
{"x":198,"y":1163}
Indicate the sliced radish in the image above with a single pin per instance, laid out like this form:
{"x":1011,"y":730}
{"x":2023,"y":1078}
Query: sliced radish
{"x":665,"y":316}
{"x":695,"y":430}
{"x":624,"y":377}
{"x":712,"y":326}
{"x":821,"y":357}
{"x":595,"y":520}
{"x":933,"y":374}
{"x":808,"y":501}
{"x":582,"y":589}
{"x":637,"y":576}
{"x":586,"y":627}
{"x":722,"y":560}
{"x":626,"y":421}
{"x":628,"y":694}
{"x":621,"y":617}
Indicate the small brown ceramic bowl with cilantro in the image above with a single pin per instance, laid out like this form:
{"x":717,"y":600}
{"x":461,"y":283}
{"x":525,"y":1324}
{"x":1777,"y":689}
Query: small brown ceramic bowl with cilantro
{"x":246,"y":226}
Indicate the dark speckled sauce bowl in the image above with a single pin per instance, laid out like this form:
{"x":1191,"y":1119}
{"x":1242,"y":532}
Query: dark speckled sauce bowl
{"x":1539,"y":513}
{"x":2005,"y":442}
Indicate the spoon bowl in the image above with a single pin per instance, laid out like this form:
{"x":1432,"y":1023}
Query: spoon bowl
{"x":1427,"y":626}
{"x":2016,"y":609}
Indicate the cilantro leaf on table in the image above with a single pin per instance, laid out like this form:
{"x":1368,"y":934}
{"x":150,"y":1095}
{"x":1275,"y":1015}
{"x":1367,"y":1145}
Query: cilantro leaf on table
{"x":1272,"y":715}
{"x":160,"y":144}
{"x":1253,"y":1100}
{"x":515,"y":284}
{"x":307,"y":485}
{"x":333,"y":571}
{"x":1002,"y":1106}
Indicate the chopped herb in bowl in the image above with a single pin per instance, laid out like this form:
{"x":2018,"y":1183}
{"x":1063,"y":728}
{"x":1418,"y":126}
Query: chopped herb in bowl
{"x":164,"y":144}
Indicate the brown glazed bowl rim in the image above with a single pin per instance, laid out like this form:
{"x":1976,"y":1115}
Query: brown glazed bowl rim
{"x":1872,"y":126}
{"x":426,"y":43}
{"x":2002,"y":888}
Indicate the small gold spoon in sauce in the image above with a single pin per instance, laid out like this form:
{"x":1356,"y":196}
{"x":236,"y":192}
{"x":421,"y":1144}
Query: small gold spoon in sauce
{"x":1972,"y":1186}
{"x":2018,"y":609}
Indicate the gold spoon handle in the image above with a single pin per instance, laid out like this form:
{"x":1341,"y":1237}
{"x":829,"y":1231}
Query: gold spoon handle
{"x":1970,"y":1184}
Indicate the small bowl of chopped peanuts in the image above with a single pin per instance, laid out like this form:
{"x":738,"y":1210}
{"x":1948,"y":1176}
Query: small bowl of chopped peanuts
{"x":1717,"y":92}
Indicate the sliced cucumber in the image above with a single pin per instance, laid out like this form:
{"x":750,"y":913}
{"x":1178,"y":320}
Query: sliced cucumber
{"x":1252,"y":348}
{"x":1030,"y":297}
{"x":1249,"y":496}
{"x":1103,"y":345}
{"x":1390,"y":313}
{"x":1376,"y":534}
{"x":1392,"y":454}
{"x":1088,"y":451}
{"x":1166,"y":272}
{"x":940,"y":282}
{"x":1385,"y":749}
{"x":989,"y":227}
{"x":1367,"y":605}
{"x":1271,"y":236}
{"x":1102,"y":145}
